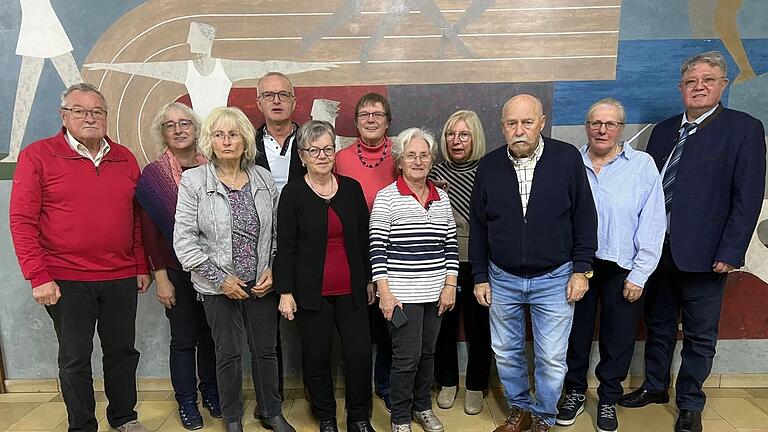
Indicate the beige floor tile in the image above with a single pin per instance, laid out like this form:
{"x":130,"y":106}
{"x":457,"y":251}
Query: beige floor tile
{"x":10,"y":413}
{"x":28,"y":397}
{"x":455,"y":419}
{"x":154,"y":395}
{"x":717,"y":426}
{"x":32,"y":386}
{"x":709,"y":413}
{"x":44,"y":417}
{"x":758,"y":392}
{"x":154,"y":384}
{"x":498,"y":409}
{"x":744,"y":380}
{"x":739,"y":412}
{"x":152,"y":414}
{"x":761,"y":403}
{"x":752,"y":429}
{"x":380,"y":418}
{"x":726,"y":393}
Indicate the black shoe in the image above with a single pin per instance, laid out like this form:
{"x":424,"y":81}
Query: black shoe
{"x":328,"y":425}
{"x":606,"y":418}
{"x":642,"y":397}
{"x":277,"y":423}
{"x":235,"y":426}
{"x":688,"y":421}
{"x":360,"y":426}
{"x":572,"y":406}
{"x":211,"y":403}
{"x":190,"y":416}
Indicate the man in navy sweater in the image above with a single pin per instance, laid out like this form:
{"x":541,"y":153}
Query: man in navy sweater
{"x":533,"y":233}
{"x":712,"y":163}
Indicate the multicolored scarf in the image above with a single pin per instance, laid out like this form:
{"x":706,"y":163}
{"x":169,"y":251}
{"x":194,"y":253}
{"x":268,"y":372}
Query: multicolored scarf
{"x":158,"y":191}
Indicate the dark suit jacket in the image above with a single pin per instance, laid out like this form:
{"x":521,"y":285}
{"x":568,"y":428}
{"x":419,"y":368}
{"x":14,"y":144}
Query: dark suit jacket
{"x":295,"y":170}
{"x":302,"y":237}
{"x":718,"y":190}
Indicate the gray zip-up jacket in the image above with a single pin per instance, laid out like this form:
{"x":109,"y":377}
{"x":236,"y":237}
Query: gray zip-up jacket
{"x":203,"y":227}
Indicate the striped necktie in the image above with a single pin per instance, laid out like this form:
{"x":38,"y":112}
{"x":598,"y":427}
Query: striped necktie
{"x":674,"y":161}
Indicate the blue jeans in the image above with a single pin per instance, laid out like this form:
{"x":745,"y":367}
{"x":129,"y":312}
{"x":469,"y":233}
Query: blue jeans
{"x":551,"y":318}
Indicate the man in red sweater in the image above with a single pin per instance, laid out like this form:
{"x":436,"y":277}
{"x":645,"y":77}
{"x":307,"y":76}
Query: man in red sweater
{"x":76,"y":231}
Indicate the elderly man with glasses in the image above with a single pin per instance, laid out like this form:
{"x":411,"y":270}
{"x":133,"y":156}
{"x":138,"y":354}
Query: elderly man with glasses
{"x":77,"y":233}
{"x":712,"y":164}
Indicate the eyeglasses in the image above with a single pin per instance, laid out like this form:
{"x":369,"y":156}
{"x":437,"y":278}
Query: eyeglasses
{"x":512,"y":124}
{"x":170,"y":125}
{"x":706,"y":82}
{"x":270,"y":96}
{"x":610,"y":126}
{"x":378,"y":115}
{"x":315,"y":152}
{"x":463,"y":136}
{"x":81,"y":113}
{"x":220,"y":136}
{"x":424,"y":157}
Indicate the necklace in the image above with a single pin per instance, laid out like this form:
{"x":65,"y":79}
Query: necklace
{"x":326,"y":196}
{"x":366,"y":164}
{"x":231,"y":183}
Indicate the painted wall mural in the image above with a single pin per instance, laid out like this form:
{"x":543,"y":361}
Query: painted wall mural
{"x":429,"y":57}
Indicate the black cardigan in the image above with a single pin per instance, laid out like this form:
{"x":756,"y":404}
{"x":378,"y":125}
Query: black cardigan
{"x":302,"y":235}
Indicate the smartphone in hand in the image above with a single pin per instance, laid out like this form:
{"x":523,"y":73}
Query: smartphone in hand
{"x":398,"y":317}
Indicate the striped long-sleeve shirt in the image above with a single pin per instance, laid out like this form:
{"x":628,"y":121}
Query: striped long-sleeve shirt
{"x":412,"y":247}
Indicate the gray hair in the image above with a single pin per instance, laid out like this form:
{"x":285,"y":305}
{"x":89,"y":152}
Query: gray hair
{"x":275,"y":74}
{"x":229,"y":117}
{"x":81,"y":87}
{"x":312,"y":131}
{"x":610,"y":102}
{"x":157,"y":123}
{"x":405,"y":137}
{"x":712,"y":58}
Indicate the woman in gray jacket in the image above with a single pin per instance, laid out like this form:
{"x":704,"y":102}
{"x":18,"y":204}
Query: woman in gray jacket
{"x":225,"y":235}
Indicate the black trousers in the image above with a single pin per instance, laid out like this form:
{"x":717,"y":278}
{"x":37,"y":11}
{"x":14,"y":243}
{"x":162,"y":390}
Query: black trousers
{"x":316,"y":329}
{"x":696,"y":298}
{"x":380,"y":336}
{"x":477,"y":331}
{"x":618,"y":323}
{"x":227,"y":318}
{"x":192,"y":350}
{"x":110,"y":307}
{"x":413,"y":360}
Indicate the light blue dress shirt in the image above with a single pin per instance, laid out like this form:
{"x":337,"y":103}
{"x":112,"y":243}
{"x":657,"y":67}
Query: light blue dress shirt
{"x":630,"y":212}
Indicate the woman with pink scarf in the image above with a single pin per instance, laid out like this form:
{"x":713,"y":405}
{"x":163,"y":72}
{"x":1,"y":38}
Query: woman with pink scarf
{"x":176,"y":130}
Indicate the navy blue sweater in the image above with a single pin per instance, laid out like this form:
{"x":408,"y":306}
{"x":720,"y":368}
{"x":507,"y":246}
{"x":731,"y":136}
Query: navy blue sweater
{"x":560,"y":224}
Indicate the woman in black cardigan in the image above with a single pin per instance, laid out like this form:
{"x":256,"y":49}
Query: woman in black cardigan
{"x":322,"y":274}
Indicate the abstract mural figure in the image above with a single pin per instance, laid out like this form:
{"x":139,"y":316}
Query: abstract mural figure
{"x":756,"y":260}
{"x":41,"y":37}
{"x":208,"y":79}
{"x":396,"y":12}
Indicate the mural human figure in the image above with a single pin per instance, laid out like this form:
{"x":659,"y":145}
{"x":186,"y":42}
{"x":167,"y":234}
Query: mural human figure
{"x":41,"y":37}
{"x":208,"y":79}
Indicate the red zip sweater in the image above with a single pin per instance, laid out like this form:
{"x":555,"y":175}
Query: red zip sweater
{"x":73,"y":221}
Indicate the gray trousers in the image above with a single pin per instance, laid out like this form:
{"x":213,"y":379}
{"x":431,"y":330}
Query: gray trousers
{"x":229,"y":320}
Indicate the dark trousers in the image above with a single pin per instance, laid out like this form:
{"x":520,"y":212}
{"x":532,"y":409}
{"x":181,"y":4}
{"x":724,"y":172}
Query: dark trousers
{"x":317,"y":329}
{"x":477,"y":331}
{"x":380,"y":336}
{"x":697,"y":298}
{"x":110,"y":307}
{"x":227,"y":318}
{"x":413,"y":360}
{"x":618,"y":323}
{"x":192,"y":350}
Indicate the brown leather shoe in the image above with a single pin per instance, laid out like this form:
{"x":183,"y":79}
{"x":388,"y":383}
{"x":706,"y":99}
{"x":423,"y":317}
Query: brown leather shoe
{"x":539,"y":425}
{"x":518,"y":421}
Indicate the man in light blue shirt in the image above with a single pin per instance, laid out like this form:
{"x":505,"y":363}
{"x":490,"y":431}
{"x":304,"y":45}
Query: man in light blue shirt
{"x":630,"y":218}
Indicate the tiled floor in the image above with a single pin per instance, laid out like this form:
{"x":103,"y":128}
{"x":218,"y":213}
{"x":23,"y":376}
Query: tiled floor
{"x":744,"y":410}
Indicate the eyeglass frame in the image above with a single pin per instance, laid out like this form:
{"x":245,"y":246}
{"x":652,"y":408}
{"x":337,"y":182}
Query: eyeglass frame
{"x":84,"y":113}
{"x":707,"y":82}
{"x":170,"y":125}
{"x":424,"y":157}
{"x":378,"y":115}
{"x":449,"y":136}
{"x":283,"y":96}
{"x":324,"y":150}
{"x":615,"y":125}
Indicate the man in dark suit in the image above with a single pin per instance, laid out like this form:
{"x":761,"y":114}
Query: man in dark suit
{"x":276,"y":138}
{"x":712,"y":162}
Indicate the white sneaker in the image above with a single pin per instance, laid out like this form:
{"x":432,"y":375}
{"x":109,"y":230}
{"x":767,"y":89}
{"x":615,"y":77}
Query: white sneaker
{"x":131,"y":426}
{"x":428,"y":421}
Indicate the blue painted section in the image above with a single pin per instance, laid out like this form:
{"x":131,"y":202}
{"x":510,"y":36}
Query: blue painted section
{"x":646,"y":79}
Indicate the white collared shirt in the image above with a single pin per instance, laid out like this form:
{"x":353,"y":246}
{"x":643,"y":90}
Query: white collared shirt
{"x":524,"y":168}
{"x":279,"y":164}
{"x":82,"y":150}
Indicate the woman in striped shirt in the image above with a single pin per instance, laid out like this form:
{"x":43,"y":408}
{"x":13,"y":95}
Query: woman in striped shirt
{"x":414,"y":259}
{"x":462,"y":146}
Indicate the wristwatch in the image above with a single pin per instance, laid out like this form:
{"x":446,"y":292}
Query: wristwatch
{"x":588,"y":274}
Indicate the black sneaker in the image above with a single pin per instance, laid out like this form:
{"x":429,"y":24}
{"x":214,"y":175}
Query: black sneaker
{"x":572,"y":406}
{"x":606,"y":418}
{"x":190,"y":416}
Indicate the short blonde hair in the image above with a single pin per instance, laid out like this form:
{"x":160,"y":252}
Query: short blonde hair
{"x":157,"y":123}
{"x":229,"y":117}
{"x":475,"y":130}
{"x":405,"y":137}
